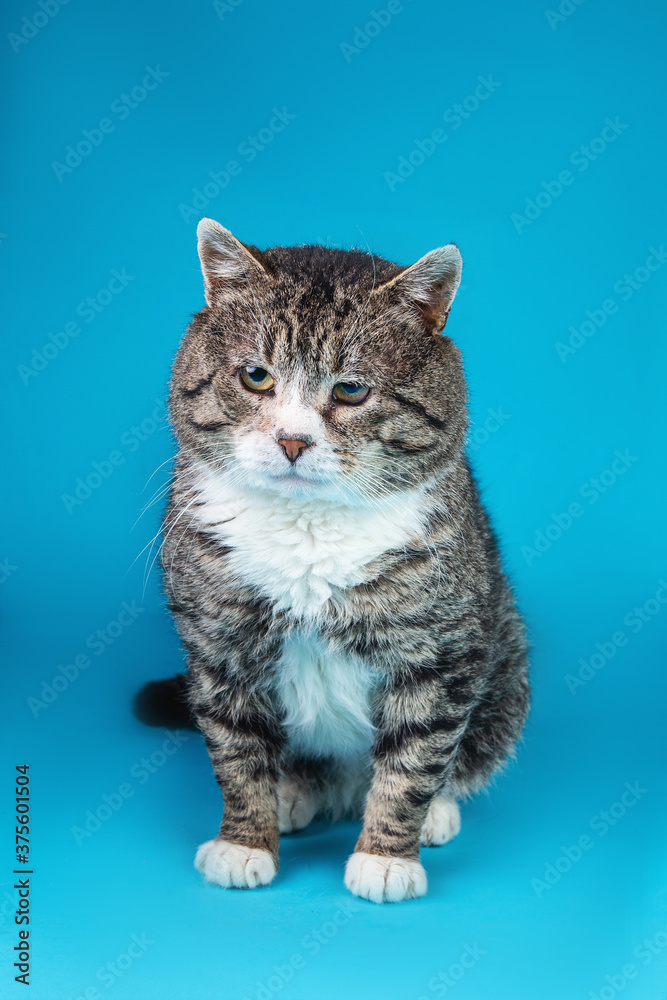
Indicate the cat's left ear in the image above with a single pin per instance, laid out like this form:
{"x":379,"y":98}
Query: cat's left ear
{"x":430,"y":285}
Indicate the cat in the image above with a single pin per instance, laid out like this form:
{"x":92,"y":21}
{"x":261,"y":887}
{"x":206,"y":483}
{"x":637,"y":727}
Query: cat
{"x":353,"y":644}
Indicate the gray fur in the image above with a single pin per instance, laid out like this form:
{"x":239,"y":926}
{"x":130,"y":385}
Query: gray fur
{"x":436,"y":619}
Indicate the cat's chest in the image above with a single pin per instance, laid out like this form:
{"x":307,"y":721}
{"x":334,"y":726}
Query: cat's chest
{"x":298,"y":552}
{"x":324,"y":698}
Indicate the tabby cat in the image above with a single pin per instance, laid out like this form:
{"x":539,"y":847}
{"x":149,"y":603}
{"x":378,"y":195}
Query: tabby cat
{"x":353,"y":645}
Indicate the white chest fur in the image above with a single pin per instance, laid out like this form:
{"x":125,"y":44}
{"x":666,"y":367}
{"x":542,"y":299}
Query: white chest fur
{"x":325,"y":698}
{"x":297,"y":552}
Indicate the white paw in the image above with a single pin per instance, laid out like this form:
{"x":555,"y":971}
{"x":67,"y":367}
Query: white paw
{"x":296,"y":806}
{"x":384,"y":880}
{"x":233,"y":866}
{"x":442,"y":823}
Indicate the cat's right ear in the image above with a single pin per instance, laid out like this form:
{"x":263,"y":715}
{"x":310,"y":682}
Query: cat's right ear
{"x":225,"y":262}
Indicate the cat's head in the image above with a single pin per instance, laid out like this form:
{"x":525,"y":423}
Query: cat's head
{"x":320,"y":372}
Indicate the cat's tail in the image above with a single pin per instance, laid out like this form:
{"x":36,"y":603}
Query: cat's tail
{"x":164,"y":704}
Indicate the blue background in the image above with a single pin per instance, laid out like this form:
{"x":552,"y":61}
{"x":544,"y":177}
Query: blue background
{"x":69,"y":567}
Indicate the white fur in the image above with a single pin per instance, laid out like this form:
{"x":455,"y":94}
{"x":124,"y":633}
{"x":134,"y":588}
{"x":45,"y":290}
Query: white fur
{"x":297,"y":805}
{"x":264,"y":462}
{"x":233,"y":866}
{"x":325,"y":697}
{"x":299,"y":551}
{"x":384,"y":880}
{"x":442,"y":823}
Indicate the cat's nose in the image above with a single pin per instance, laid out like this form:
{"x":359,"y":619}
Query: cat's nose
{"x":293,"y":447}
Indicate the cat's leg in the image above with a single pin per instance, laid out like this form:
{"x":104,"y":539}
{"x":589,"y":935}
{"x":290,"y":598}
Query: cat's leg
{"x":245,"y":743}
{"x":419,"y":731}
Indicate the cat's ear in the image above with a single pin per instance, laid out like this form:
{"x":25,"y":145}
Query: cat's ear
{"x":225,"y":261}
{"x":430,"y":285}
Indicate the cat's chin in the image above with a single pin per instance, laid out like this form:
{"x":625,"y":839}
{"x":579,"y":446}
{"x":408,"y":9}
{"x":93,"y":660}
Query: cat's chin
{"x":299,"y":487}
{"x":293,"y":485}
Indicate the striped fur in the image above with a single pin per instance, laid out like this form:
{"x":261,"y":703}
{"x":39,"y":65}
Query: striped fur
{"x":350,"y":633}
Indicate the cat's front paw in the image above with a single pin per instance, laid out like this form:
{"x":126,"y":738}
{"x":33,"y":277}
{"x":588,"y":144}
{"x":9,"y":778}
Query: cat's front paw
{"x":296,"y":806}
{"x":442,"y":823}
{"x":384,"y":880}
{"x":234,"y":866}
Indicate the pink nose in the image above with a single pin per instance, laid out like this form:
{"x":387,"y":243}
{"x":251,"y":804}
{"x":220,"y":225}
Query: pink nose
{"x":292,"y":447}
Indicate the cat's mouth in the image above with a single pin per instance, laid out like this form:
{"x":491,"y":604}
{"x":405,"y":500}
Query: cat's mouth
{"x":292,"y":482}
{"x":292,"y":479}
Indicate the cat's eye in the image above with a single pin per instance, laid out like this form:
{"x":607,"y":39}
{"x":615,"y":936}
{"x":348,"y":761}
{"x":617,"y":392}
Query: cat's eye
{"x":350,"y":392}
{"x":256,"y":379}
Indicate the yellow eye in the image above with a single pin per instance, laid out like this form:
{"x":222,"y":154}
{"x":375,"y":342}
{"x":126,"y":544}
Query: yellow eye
{"x":256,"y":379}
{"x":350,"y":392}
